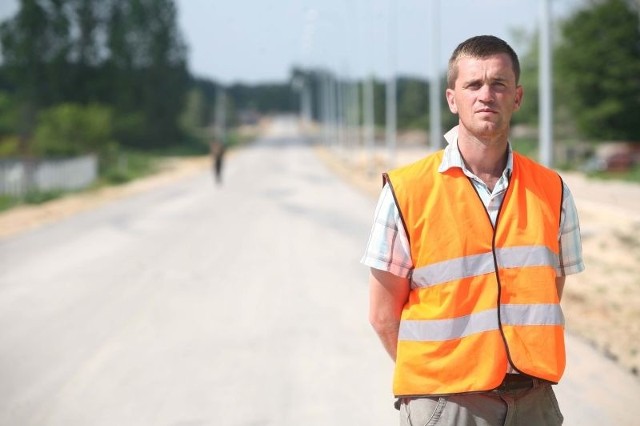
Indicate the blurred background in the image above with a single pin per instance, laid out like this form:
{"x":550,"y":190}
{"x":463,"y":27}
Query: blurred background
{"x":122,"y":82}
{"x":106,"y":97}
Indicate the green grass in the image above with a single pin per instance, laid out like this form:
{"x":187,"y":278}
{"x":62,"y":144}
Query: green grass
{"x":631,"y":175}
{"x":526,"y":146}
{"x":7,"y":202}
{"x":125,"y":167}
{"x":30,"y":198}
{"x":122,"y":166}
{"x":39,"y":197}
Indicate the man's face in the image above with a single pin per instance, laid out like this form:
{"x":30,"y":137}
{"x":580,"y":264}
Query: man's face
{"x":485,"y":95}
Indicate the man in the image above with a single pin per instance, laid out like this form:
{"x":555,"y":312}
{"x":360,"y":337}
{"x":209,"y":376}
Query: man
{"x":468,"y":254}
{"x":217,"y":149}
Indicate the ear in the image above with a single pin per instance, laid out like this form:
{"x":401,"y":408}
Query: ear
{"x":451,"y":100}
{"x":519,"y":96}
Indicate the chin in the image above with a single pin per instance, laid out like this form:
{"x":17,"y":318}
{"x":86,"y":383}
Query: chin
{"x":490,"y":128}
{"x":484,"y":129}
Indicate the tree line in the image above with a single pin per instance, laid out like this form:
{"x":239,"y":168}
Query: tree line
{"x":596,"y":58}
{"x":113,"y":69}
{"x":100,"y":75}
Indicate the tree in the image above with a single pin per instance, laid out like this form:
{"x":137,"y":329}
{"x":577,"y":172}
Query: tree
{"x":87,"y":52}
{"x":526,"y":45}
{"x":26,"y":46}
{"x":598,"y":63}
{"x":192,"y":118}
{"x":127,"y":54}
{"x":413,"y":98}
{"x":147,"y":66}
{"x":71,"y":129}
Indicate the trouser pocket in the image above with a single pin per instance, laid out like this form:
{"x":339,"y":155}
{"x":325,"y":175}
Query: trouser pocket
{"x":422,"y":411}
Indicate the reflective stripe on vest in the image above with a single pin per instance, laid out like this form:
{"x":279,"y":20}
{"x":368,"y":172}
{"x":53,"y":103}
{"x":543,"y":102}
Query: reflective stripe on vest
{"x":478,"y":264}
{"x":480,"y":297}
{"x":455,"y":328}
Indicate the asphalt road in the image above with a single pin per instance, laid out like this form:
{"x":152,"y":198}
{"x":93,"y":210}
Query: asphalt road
{"x":243,"y":304}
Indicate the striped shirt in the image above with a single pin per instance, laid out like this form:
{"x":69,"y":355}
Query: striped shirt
{"x":388,"y":245}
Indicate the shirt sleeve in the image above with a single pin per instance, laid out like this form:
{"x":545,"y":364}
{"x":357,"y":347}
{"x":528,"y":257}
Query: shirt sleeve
{"x":388,"y":245}
{"x":570,"y":259}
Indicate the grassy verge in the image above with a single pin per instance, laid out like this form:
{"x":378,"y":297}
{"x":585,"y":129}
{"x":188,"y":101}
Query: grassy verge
{"x":526,"y":146}
{"x":128,"y":165}
{"x":124,"y":166}
{"x":631,"y":175}
{"x":529,"y":147}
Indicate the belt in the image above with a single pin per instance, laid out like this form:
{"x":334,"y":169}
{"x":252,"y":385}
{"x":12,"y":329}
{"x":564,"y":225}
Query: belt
{"x":516,"y":382}
{"x":510,"y":382}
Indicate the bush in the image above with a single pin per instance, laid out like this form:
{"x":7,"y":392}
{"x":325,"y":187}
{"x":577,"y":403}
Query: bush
{"x":127,"y":166}
{"x":8,"y":115}
{"x":9,"y":146}
{"x":72,"y":129}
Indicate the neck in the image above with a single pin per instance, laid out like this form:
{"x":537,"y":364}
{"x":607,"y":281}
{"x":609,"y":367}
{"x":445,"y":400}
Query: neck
{"x":484,"y":157}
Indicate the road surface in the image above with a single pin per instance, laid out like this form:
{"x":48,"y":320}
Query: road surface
{"x":242,"y":304}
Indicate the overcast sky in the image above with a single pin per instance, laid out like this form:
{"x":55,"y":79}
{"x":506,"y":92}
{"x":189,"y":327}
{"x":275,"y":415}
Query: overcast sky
{"x":260,"y":40}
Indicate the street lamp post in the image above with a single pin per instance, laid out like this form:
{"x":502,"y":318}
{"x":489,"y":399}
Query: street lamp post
{"x":435,"y":126}
{"x":546,"y":86}
{"x":369,"y":121}
{"x":220,"y":118}
{"x":391,"y":85}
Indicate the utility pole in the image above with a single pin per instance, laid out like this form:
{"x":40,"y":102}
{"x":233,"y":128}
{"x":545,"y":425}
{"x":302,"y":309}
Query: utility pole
{"x":546,"y":86}
{"x":369,"y":122}
{"x":327,"y":116}
{"x":298,"y":85}
{"x":435,"y":123}
{"x":306,"y":105}
{"x":220,"y":130}
{"x":368,"y":108}
{"x":391,"y":85}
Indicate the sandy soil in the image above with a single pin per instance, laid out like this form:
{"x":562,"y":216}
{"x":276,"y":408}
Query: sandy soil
{"x":601,"y":304}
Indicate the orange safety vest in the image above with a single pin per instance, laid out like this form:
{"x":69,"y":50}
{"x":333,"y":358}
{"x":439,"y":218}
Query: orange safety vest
{"x":480,"y":296}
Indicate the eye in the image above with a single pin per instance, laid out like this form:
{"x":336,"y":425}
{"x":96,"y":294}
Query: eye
{"x":499,"y":86}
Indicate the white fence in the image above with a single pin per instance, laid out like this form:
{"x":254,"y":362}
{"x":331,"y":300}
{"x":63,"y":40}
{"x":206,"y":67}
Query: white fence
{"x":18,"y":177}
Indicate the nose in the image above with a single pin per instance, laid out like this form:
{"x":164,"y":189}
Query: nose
{"x":485,"y":94}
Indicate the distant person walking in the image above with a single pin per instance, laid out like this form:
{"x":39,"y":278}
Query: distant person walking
{"x":468,"y":254}
{"x":217,"y":157}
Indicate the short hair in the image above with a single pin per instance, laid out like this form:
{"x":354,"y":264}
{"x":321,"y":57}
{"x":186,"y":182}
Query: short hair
{"x":480,"y":47}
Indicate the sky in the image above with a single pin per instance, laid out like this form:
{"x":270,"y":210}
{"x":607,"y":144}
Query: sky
{"x":258,"y":41}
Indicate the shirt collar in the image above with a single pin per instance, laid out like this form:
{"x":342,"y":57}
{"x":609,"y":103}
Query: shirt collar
{"x":452,"y":157}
